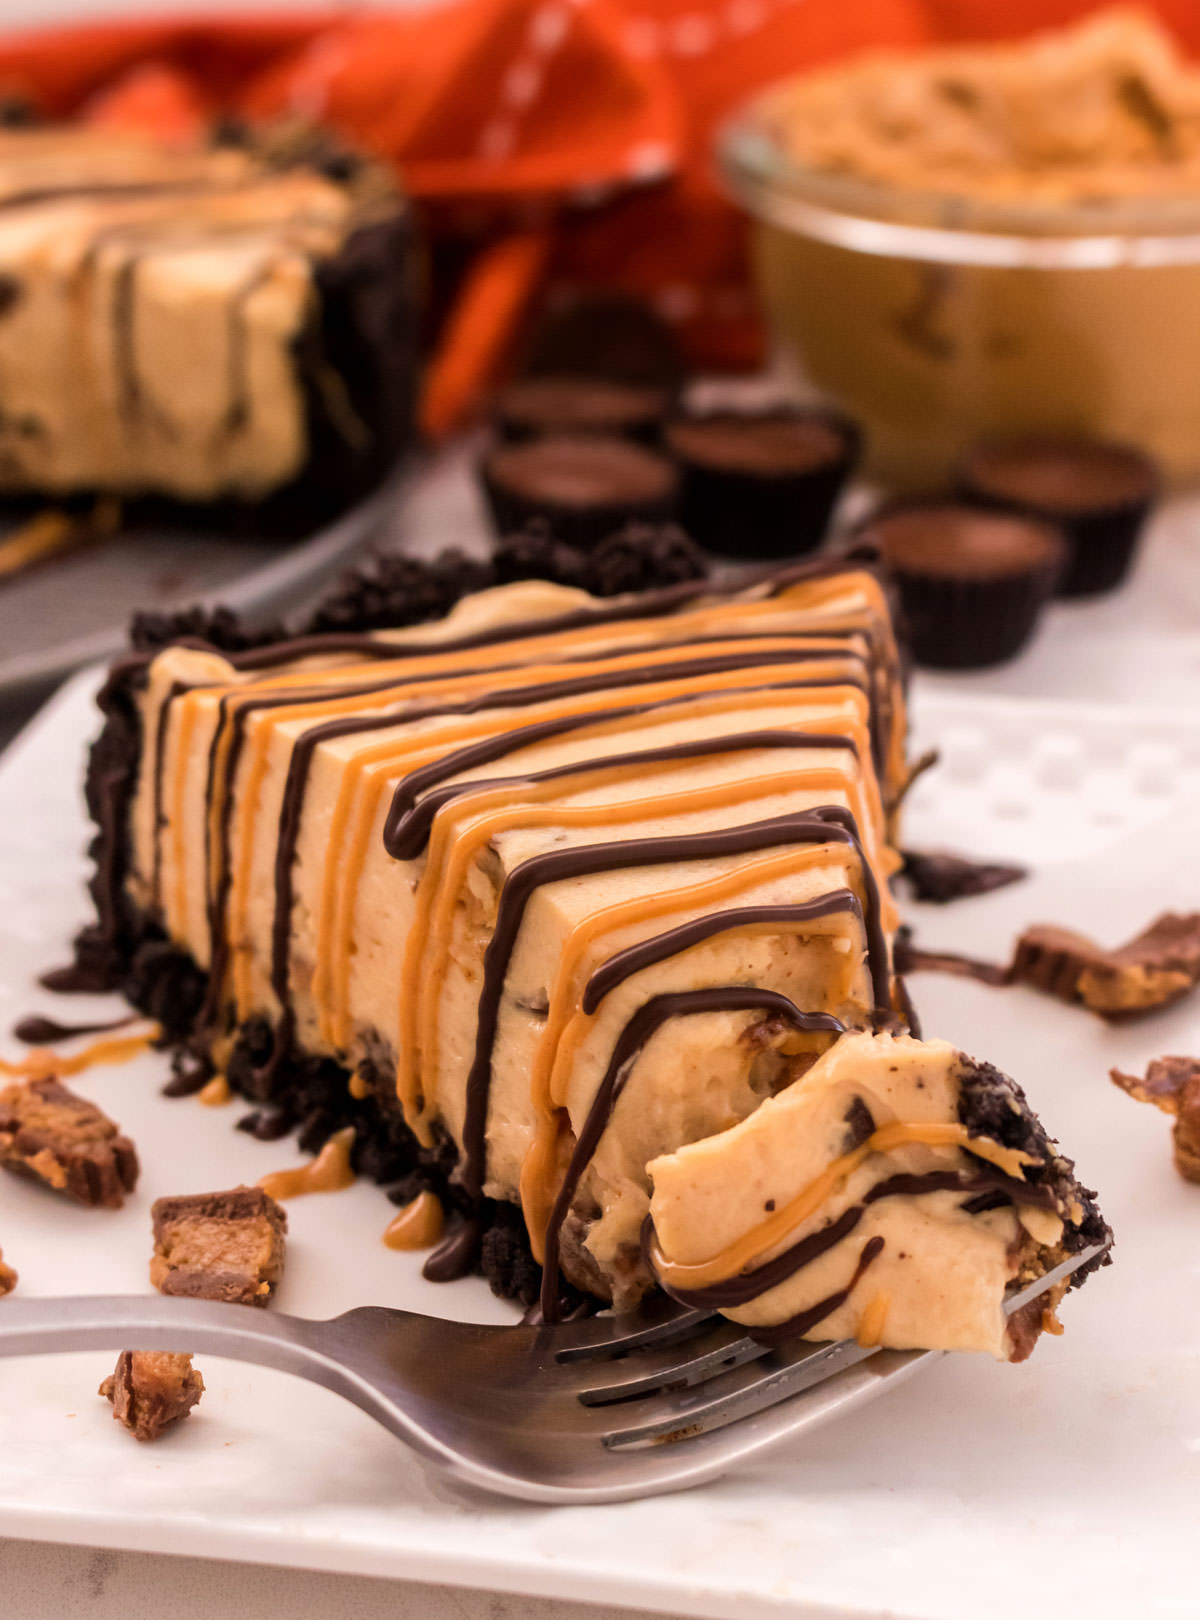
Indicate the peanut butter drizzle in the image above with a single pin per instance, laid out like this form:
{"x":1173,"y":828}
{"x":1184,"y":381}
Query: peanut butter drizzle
{"x":566,"y":1026}
{"x":43,"y":1060}
{"x":446,"y":871}
{"x":754,"y":1246}
{"x":217,"y":1093}
{"x":873,"y":1320}
{"x":456,"y":682}
{"x":803,"y":594}
{"x":380,"y":761}
{"x":177,"y":908}
{"x":330,"y":1171}
{"x":478,"y":803}
{"x":564,"y":1034}
{"x":483,"y":830}
{"x":418,"y":1225}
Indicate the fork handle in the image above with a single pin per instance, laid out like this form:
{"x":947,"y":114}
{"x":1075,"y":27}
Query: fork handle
{"x":30,"y":1327}
{"x":337,"y":1354}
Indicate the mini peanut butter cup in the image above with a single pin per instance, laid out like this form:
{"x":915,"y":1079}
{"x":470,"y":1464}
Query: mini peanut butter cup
{"x":537,"y":407}
{"x":583,"y":487}
{"x":1098,"y":492}
{"x":761,"y":484}
{"x":972,"y":582}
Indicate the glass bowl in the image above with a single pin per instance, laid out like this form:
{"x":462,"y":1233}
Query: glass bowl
{"x":937,"y":320}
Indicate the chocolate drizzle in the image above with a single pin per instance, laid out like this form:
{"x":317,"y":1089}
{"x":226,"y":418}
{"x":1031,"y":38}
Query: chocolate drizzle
{"x":220,"y":872}
{"x":80,"y":978}
{"x":407,"y":828}
{"x":826,"y":824}
{"x":35,"y":1030}
{"x":912,"y":958}
{"x":647,"y":952}
{"x":645,"y":1023}
{"x":456,"y":1254}
{"x":416,"y":803}
{"x":797,"y":1326}
{"x":737,"y":1290}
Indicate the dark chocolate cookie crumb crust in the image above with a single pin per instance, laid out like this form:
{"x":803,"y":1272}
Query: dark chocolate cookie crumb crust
{"x":992,"y":1105}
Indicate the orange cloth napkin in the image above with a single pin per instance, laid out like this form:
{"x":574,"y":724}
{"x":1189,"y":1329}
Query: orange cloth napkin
{"x":549,"y":143}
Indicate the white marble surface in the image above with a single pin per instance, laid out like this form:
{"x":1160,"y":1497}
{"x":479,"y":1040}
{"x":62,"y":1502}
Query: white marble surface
{"x":89,"y":1583}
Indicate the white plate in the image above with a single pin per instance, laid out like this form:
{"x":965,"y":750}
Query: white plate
{"x":89,"y":596}
{"x":1068,"y":1486}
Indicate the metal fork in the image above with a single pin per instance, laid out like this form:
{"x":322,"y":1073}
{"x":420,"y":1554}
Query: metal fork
{"x":597,"y":1411}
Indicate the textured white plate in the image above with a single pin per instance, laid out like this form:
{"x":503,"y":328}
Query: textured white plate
{"x":86,"y":598}
{"x":1069,"y":1486}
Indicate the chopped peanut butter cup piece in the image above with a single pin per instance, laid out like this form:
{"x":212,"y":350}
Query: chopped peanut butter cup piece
{"x":1161,"y":964}
{"x":49,"y":1134}
{"x":1052,"y":959}
{"x":1172,"y":1084}
{"x":1157,"y":967}
{"x":8,"y":1277}
{"x":224,"y":1245}
{"x":152,"y":1390}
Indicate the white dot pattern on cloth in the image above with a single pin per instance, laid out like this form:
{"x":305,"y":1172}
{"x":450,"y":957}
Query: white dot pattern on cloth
{"x":698,"y":33}
{"x":498,"y":139}
{"x":323,"y":60}
{"x":642,"y":37}
{"x":522,"y":83}
{"x":694,"y":35}
{"x":650,"y":161}
{"x":549,"y":28}
{"x":524,"y":80}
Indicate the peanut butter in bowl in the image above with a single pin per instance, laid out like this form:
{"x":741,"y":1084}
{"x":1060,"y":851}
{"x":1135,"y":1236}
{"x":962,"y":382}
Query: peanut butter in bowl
{"x":988,"y":240}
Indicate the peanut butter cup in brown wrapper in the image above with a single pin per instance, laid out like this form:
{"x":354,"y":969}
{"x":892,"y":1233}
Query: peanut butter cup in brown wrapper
{"x":1097,"y":492}
{"x":972,"y":583}
{"x":762,"y":484}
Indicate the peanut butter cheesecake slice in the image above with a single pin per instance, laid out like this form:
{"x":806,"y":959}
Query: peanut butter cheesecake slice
{"x":897,"y":1193}
{"x":201,"y":323}
{"x":433,"y":884}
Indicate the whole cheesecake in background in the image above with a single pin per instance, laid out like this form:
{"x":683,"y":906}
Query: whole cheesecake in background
{"x":219,"y":322}
{"x":577,"y":912}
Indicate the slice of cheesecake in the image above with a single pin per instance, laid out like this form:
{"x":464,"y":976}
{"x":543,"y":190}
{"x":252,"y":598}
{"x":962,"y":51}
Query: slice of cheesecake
{"x":535,"y":896}
{"x":201,"y":323}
